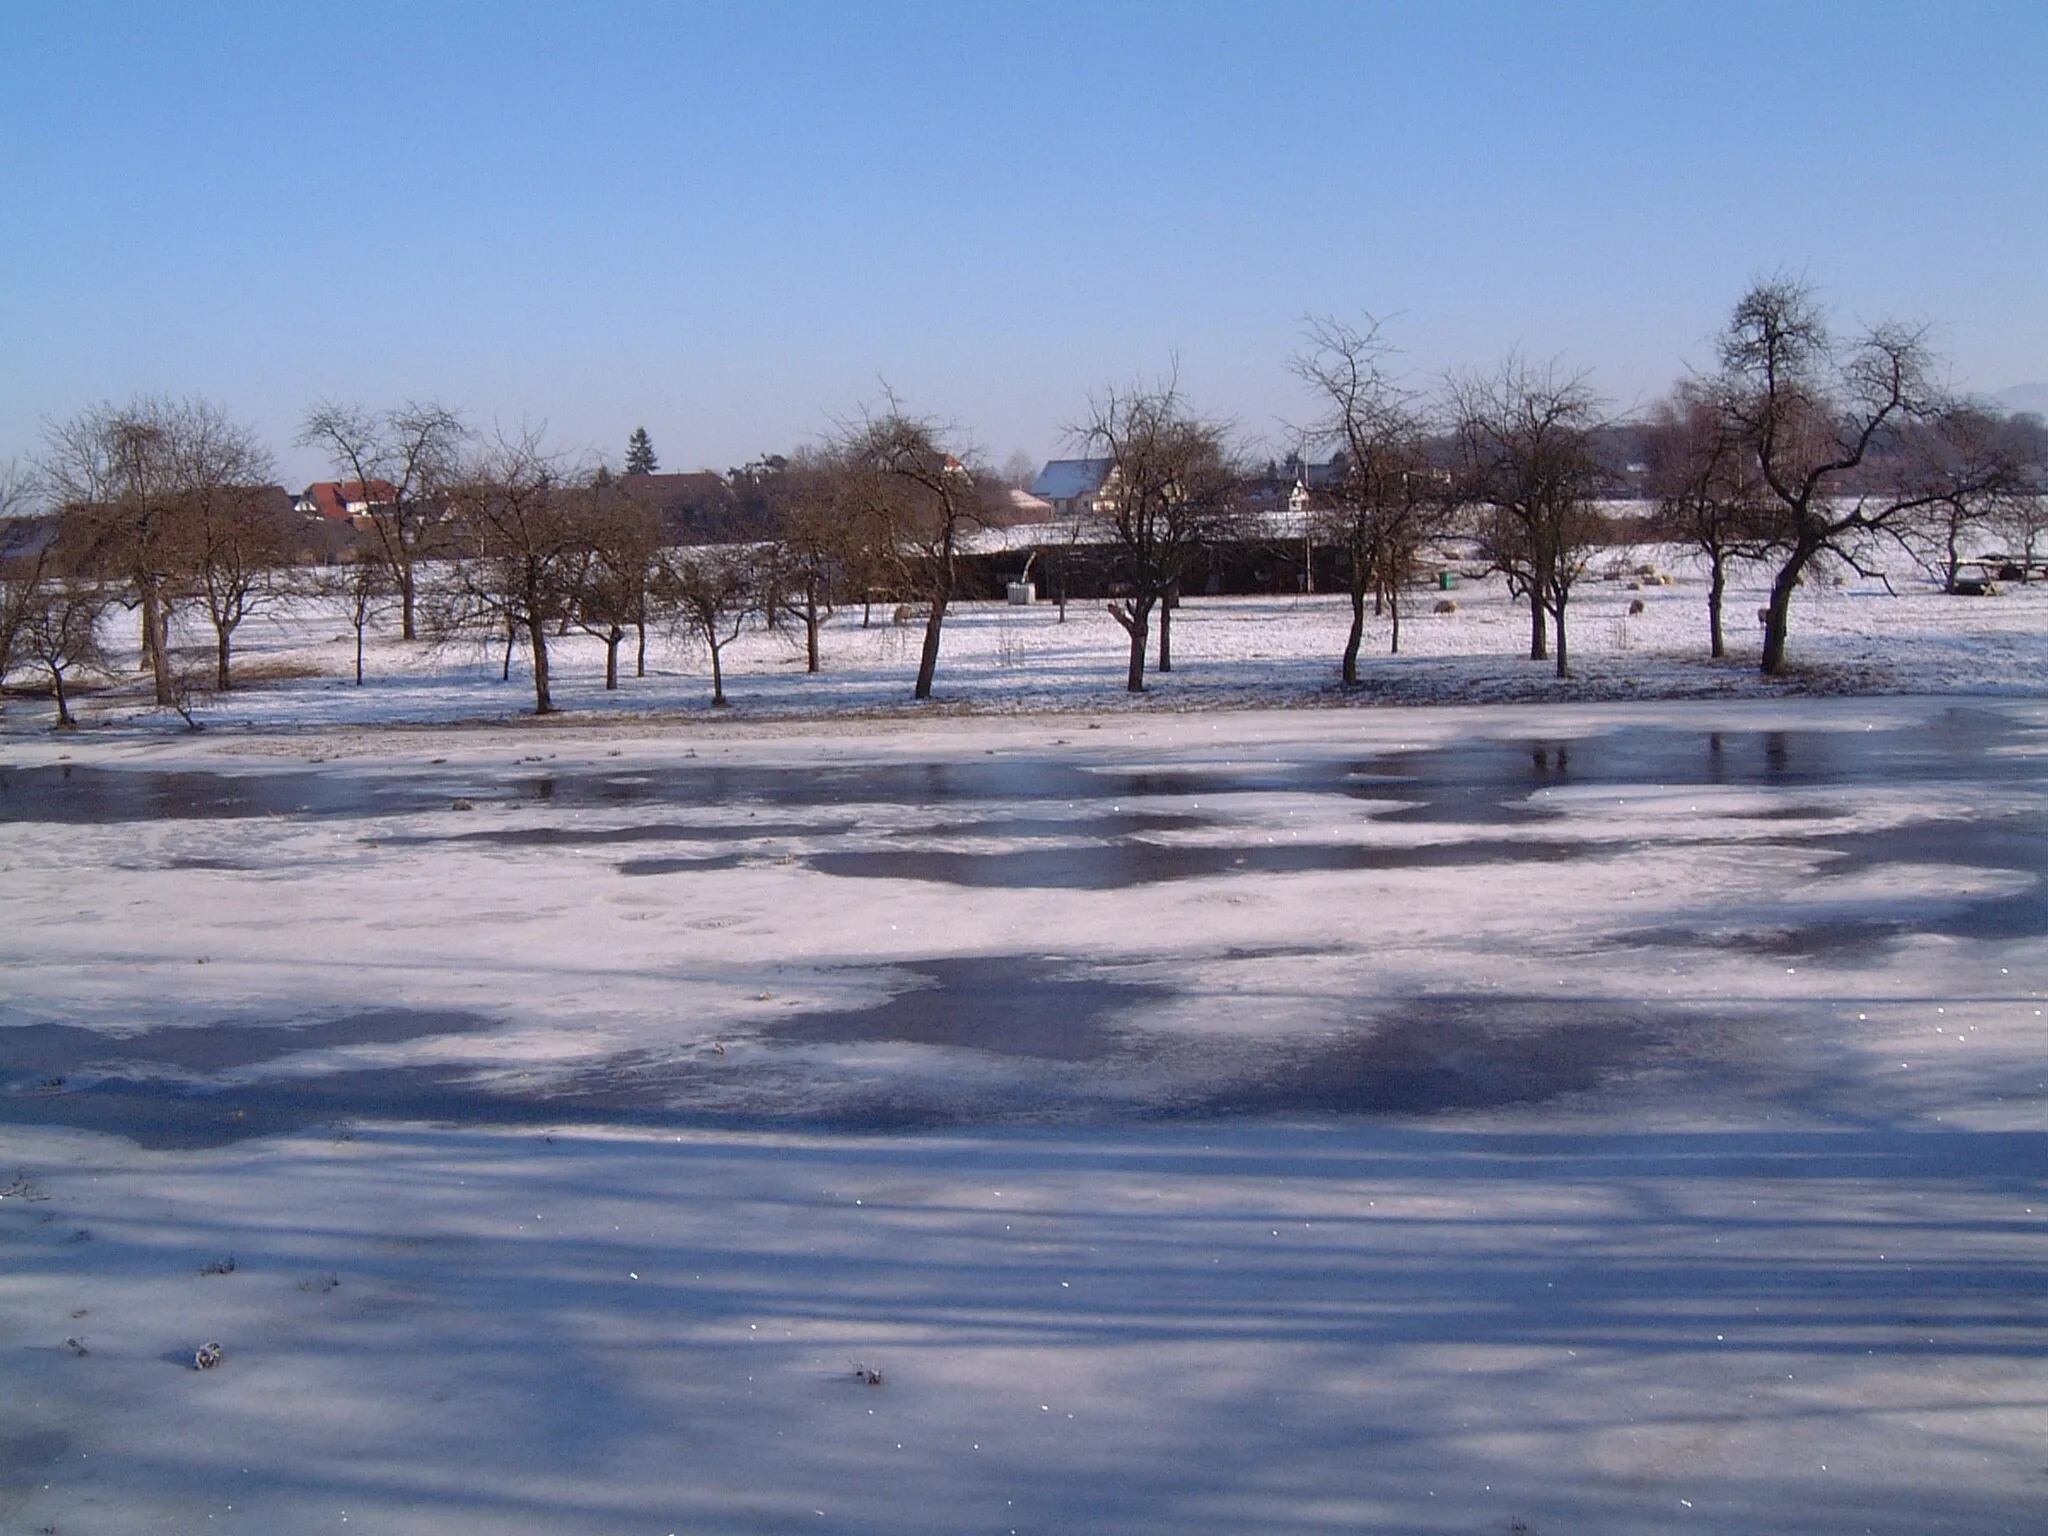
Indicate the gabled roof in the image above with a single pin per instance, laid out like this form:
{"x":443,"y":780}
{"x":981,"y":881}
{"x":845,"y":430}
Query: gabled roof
{"x":1067,"y":479}
{"x":333,"y":498}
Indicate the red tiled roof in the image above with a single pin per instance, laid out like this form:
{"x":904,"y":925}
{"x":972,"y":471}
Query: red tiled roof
{"x":331,"y":498}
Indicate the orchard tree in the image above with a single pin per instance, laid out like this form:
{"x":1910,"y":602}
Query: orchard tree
{"x":404,"y":460}
{"x":1709,"y":494}
{"x":148,"y":492}
{"x":523,"y":549}
{"x":1388,"y":500}
{"x":110,"y":470}
{"x":1973,"y":467}
{"x":360,"y":588}
{"x":1810,"y":412}
{"x":58,"y":628}
{"x":818,"y":542}
{"x":1168,"y":500}
{"x":711,"y":590}
{"x":621,"y":542}
{"x":915,"y":499}
{"x":232,"y":542}
{"x":1527,"y":461}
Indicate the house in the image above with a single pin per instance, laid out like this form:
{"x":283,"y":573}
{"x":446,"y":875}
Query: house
{"x":345,"y":500}
{"x":1077,"y":487}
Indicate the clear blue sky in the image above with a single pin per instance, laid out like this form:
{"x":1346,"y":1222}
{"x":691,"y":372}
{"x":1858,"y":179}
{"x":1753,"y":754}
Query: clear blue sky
{"x":728,"y":222}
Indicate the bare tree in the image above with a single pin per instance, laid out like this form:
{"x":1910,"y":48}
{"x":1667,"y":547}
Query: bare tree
{"x":1810,"y":412}
{"x":360,"y":587}
{"x":404,"y":461}
{"x":1388,"y":500}
{"x":819,"y":545}
{"x":1709,"y":494}
{"x":621,"y":538}
{"x":59,"y":629}
{"x":231,"y":543}
{"x":918,"y":499}
{"x":524,"y":549}
{"x":113,"y":474}
{"x":1971,"y":465}
{"x":712,"y":589}
{"x":1167,"y":501}
{"x":163,"y":495}
{"x":2023,"y":523}
{"x":1526,"y":454}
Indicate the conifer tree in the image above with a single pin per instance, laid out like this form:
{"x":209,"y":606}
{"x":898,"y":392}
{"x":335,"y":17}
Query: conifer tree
{"x":640,"y":458}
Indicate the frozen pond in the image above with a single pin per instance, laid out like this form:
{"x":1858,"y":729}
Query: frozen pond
{"x":1602,"y":1119}
{"x":1024,"y":1035}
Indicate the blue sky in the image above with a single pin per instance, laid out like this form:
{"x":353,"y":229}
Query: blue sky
{"x":730,"y":222}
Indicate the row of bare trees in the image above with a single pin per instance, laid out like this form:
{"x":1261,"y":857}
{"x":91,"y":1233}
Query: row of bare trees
{"x":1800,"y":448}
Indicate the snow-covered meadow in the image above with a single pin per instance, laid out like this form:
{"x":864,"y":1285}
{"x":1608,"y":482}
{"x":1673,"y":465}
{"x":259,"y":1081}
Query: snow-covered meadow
{"x":1849,"y":635}
{"x":1601,"y":1116}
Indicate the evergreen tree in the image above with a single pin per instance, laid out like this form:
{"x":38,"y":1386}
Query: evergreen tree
{"x":640,"y":458}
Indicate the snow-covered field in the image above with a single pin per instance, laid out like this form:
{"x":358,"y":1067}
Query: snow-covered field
{"x":1855,"y":637}
{"x":1608,"y":1116}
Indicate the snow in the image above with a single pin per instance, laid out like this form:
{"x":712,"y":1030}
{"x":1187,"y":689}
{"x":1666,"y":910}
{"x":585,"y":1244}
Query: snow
{"x":1765,"y":1251}
{"x":1856,"y":637}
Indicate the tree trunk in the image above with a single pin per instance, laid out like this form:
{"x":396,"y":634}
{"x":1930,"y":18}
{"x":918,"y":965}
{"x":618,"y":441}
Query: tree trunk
{"x":1778,"y":613}
{"x":543,"y":702}
{"x":1394,"y":608}
{"x":928,"y":659}
{"x":717,"y":670}
{"x":1717,"y":586}
{"x":1558,"y":614}
{"x":1357,"y":635}
{"x":156,"y":637}
{"x":64,"y":720}
{"x":361,"y":624}
{"x":1166,"y":634}
{"x":221,"y":680}
{"x":613,"y":635}
{"x":640,"y":652}
{"x":811,"y":626}
{"x":1539,"y":639}
{"x":1136,"y":618}
{"x":408,"y":592}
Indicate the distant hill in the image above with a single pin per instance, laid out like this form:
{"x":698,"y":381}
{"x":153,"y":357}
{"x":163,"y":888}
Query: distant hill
{"x":2024,"y":397}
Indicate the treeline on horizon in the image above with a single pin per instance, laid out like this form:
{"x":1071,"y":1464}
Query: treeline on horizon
{"x":1803,"y":447}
